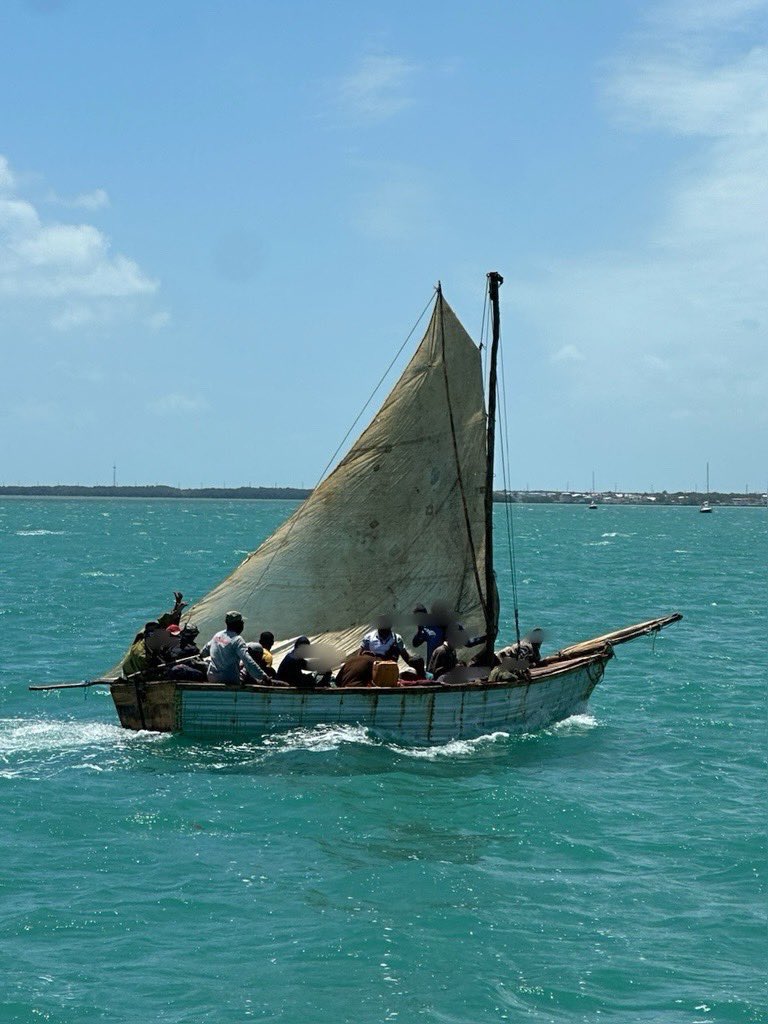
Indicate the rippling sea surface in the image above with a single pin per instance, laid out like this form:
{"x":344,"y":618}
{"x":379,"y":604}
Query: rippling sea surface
{"x":609,"y":869}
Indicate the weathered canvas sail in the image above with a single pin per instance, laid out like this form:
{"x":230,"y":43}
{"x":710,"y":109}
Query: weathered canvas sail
{"x":398,"y":522}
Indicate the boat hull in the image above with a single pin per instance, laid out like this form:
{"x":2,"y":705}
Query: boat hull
{"x":411,"y":715}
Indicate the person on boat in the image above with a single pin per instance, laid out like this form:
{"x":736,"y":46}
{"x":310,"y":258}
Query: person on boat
{"x":528,"y":650}
{"x":385,"y":644}
{"x":185,"y":638}
{"x":171,"y":618}
{"x":267,"y":639}
{"x":184,"y":661}
{"x":144,"y":655}
{"x":295,"y":670}
{"x":433,"y":627}
{"x":444,"y":659}
{"x":357,"y":670}
{"x":257,"y":652}
{"x":140,"y":659}
{"x":426,"y":632}
{"x":227,"y":650}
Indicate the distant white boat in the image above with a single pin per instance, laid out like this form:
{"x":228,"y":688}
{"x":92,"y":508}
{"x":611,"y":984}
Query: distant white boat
{"x":593,"y":503}
{"x":706,"y":507}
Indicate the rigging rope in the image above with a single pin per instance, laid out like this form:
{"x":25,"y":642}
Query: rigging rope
{"x":383,"y":377}
{"x":501,"y":403}
{"x":484,"y":600}
{"x":297,"y":515}
{"x":483,"y":343}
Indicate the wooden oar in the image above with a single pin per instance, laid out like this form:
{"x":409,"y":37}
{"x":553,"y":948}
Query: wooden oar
{"x":75,"y":686}
{"x":104,"y":682}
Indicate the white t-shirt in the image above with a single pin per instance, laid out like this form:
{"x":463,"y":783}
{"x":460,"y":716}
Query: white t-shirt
{"x":382,"y":646}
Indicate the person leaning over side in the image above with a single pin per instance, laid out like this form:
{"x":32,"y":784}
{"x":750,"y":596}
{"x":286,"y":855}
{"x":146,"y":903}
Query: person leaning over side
{"x":227,"y":650}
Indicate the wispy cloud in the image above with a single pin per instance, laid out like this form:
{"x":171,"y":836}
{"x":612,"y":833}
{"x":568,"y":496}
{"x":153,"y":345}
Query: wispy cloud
{"x":667,"y":320}
{"x":70,"y":266}
{"x":97,"y":199}
{"x":378,"y":87}
{"x":175,"y":403}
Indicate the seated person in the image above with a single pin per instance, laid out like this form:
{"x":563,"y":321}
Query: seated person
{"x":383,"y":643}
{"x":227,"y":650}
{"x":294,"y":668}
{"x":257,"y":652}
{"x":443,"y":660}
{"x":528,"y":650}
{"x":357,"y":670}
{"x":141,"y":660}
{"x":267,"y":639}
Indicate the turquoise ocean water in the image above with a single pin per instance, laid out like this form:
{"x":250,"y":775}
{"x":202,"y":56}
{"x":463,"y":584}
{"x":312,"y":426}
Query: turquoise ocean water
{"x":610,"y":869}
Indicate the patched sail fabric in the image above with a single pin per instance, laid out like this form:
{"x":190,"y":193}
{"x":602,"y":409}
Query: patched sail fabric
{"x":400,"y":521}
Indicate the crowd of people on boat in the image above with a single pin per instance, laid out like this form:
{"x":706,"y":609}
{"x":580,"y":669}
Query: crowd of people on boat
{"x":166,"y":649}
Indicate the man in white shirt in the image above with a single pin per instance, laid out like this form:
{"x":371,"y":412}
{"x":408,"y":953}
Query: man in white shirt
{"x":383,"y":643}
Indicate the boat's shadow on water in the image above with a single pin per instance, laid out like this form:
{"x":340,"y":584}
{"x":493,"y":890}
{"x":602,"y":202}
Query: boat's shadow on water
{"x":352,"y":750}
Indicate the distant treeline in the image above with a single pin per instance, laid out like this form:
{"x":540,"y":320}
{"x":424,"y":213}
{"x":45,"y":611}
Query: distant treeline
{"x":153,"y":491}
{"x":299,"y":493}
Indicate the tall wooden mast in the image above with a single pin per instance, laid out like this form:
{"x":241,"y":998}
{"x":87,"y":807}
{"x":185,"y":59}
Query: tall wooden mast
{"x":491,"y":596}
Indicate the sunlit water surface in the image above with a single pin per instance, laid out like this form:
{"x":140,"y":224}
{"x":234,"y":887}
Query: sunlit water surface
{"x":609,"y":869}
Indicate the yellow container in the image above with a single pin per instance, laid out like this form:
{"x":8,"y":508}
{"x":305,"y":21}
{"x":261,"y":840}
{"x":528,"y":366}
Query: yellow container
{"x":385,"y":673}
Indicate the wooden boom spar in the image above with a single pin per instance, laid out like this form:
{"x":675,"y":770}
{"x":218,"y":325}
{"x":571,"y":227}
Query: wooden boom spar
{"x":619,"y":636}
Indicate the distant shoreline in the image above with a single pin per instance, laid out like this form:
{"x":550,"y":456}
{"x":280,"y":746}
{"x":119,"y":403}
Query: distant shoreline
{"x":300,"y":493}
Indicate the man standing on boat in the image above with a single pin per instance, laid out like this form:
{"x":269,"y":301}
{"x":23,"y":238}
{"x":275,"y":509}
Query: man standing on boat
{"x":433,"y":627}
{"x":228,"y":650}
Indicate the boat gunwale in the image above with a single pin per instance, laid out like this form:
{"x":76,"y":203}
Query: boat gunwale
{"x":536,"y":675}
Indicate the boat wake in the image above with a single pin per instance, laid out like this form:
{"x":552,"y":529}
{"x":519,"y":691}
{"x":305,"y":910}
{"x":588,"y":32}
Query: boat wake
{"x":576,"y":725}
{"x":38,"y":746}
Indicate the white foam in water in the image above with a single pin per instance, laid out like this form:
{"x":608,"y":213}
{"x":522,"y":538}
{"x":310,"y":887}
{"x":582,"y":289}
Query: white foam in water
{"x":40,"y":533}
{"x":574,"y":725}
{"x":454,"y":748}
{"x":324,"y":738}
{"x":321,"y":739}
{"x":20,"y":736}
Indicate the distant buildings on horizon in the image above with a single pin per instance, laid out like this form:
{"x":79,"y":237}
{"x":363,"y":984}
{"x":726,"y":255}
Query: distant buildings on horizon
{"x":299,"y":493}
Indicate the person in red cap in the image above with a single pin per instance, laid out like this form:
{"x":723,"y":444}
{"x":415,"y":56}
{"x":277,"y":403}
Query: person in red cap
{"x":141,"y":657}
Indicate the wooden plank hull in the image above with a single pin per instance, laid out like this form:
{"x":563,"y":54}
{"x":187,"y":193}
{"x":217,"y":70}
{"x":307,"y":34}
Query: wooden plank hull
{"x":409,"y":715}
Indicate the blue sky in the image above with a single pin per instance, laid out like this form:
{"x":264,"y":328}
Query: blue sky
{"x":218,"y":223}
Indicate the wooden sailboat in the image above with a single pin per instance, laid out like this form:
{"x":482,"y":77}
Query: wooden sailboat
{"x":405,"y":517}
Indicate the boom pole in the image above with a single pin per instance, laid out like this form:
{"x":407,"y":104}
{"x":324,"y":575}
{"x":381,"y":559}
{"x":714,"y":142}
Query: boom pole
{"x":491,"y":596}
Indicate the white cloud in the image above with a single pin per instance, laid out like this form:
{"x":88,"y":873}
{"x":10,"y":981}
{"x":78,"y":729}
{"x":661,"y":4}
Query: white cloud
{"x":378,"y":87}
{"x":567,"y":354}
{"x":73,"y":316}
{"x":682,"y":319}
{"x":7,"y":180}
{"x":64,"y":263}
{"x":175,"y":403}
{"x":97,"y":199}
